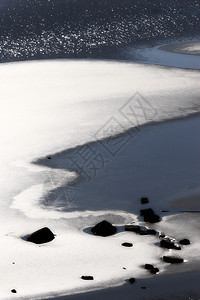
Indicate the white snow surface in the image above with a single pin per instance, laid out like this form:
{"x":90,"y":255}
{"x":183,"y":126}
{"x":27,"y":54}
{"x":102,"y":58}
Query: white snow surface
{"x":195,"y":47}
{"x":50,"y":106}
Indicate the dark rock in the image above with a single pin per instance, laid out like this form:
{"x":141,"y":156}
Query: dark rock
{"x":147,"y":211}
{"x":104,"y":228}
{"x":144,"y":200}
{"x":184,"y":242}
{"x":154,"y":271}
{"x":169,"y":245}
{"x":151,"y":232}
{"x":162,"y":235}
{"x":131,"y":227}
{"x":132,"y":280}
{"x":49,"y":157}
{"x":41,"y":236}
{"x":127,"y":245}
{"x":149,"y":215}
{"x":172,"y":259}
{"x":13,"y":291}
{"x":87,"y":277}
{"x":148,"y":267}
{"x":143,"y":287}
{"x":124,"y":268}
{"x":142,"y":231}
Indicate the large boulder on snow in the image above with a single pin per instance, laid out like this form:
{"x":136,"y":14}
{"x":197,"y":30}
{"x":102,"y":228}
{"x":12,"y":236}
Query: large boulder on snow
{"x":41,"y":236}
{"x":184,"y":242}
{"x":104,"y":228}
{"x":149,"y":215}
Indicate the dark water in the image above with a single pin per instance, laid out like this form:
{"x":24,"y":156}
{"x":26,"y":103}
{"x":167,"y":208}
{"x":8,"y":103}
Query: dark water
{"x":41,"y":29}
{"x":116,"y":172}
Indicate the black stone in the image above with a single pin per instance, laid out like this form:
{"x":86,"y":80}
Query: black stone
{"x":127,"y":245}
{"x":143,"y":231}
{"x":140,"y":230}
{"x":151,"y":231}
{"x":131,"y":227}
{"x":172,"y":259}
{"x":169,"y":245}
{"x":148,"y":267}
{"x":144,"y":200}
{"x":87,"y":277}
{"x":13,"y":291}
{"x":132,"y":280}
{"x":184,"y":242}
{"x":41,"y":236}
{"x":104,"y":228}
{"x":49,"y":157}
{"x":154,"y":271}
{"x":162,"y":235}
{"x":147,"y":211}
{"x":149,"y":215}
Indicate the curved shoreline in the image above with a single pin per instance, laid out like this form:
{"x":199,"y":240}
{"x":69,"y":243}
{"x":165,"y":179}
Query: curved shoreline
{"x":62,"y":235}
{"x":183,"y":48}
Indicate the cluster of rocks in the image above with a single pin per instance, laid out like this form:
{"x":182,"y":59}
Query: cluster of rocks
{"x":141,"y":230}
{"x":151,"y":268}
{"x":104,"y":229}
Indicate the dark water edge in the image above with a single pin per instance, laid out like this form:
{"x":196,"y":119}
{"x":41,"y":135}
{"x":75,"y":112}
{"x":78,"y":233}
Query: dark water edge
{"x":118,"y":178}
{"x":174,"y":286}
{"x":91,"y":29}
{"x":35,"y":32}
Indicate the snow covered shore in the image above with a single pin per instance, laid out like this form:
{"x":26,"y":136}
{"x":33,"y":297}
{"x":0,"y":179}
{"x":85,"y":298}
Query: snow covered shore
{"x":50,"y":106}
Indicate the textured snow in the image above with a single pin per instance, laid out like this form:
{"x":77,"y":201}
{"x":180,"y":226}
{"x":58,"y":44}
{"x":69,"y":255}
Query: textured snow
{"x":50,"y":106}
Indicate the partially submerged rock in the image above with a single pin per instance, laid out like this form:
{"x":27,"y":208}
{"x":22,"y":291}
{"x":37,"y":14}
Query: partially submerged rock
{"x":41,"y":236}
{"x":104,"y":228}
{"x":127,"y":244}
{"x":132,"y":280}
{"x":144,"y":200}
{"x":132,"y":227}
{"x":151,"y":232}
{"x":167,"y":243}
{"x":154,"y":271}
{"x":173,"y":259}
{"x":87,"y":277}
{"x":151,"y":268}
{"x":140,"y":230}
{"x":149,"y":215}
{"x":184,"y":242}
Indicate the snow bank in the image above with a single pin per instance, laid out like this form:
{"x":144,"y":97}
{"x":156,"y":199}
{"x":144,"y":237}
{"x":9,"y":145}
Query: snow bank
{"x":50,"y":106}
